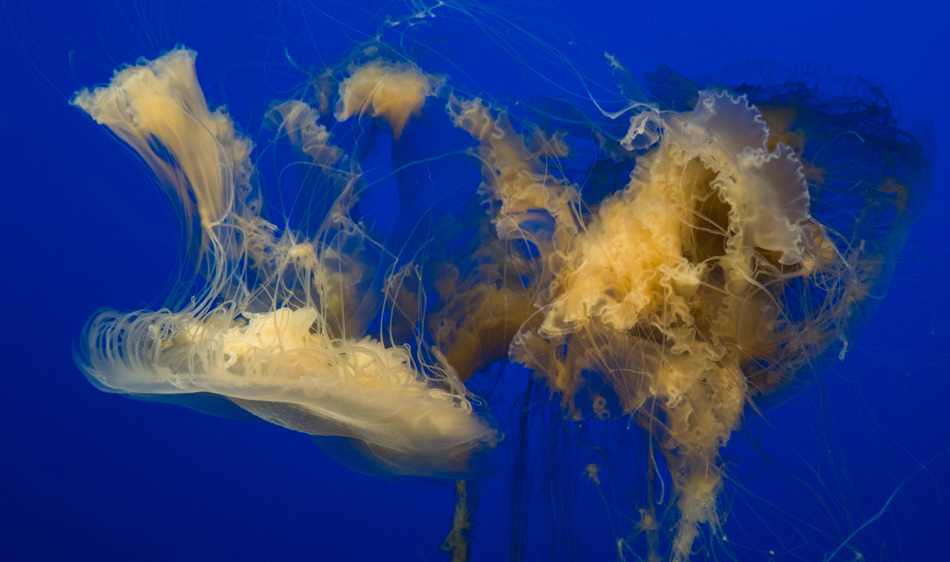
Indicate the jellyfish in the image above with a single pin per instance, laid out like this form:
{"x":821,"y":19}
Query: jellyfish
{"x":279,"y":327}
{"x":672,"y":291}
{"x":693,"y":257}
{"x":709,"y":282}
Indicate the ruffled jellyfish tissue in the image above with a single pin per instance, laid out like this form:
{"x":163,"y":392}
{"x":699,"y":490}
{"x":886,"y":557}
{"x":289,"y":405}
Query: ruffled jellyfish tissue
{"x":674,"y":265}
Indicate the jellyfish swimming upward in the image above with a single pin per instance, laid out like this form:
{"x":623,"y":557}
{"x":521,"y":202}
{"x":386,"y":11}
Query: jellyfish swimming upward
{"x":673,"y":265}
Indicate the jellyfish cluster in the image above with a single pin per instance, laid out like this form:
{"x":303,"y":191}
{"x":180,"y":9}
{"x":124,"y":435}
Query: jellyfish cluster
{"x":676,"y":264}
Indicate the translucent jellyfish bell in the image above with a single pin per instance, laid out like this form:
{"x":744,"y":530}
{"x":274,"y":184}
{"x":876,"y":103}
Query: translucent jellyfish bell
{"x":279,"y":327}
{"x":700,"y":286}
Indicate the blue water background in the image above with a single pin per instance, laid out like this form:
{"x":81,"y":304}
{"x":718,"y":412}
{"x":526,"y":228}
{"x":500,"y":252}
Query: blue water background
{"x":88,"y":475}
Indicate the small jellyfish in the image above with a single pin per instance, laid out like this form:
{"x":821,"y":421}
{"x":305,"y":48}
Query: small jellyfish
{"x":380,"y":88}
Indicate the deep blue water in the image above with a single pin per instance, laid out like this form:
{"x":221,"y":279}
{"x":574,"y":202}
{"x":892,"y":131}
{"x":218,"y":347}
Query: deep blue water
{"x":89,"y":475}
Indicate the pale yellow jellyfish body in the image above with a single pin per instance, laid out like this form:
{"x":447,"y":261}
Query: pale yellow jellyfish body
{"x":391,"y":91}
{"x":672,"y":289}
{"x":278,"y":328}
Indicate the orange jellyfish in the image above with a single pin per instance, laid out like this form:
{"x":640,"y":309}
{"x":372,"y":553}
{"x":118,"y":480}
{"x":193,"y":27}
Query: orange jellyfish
{"x":708,"y":283}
